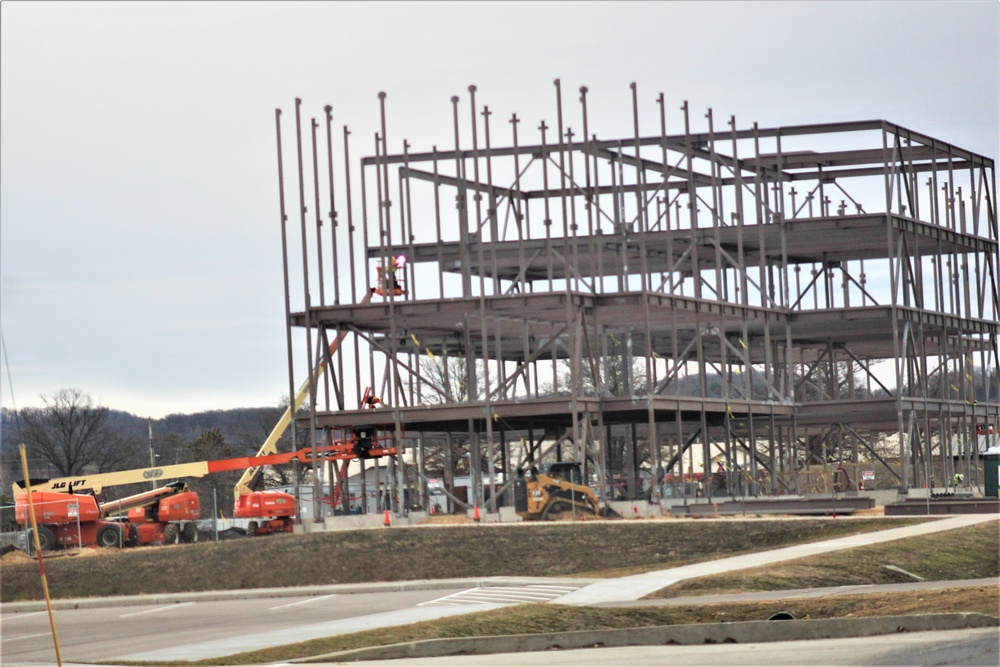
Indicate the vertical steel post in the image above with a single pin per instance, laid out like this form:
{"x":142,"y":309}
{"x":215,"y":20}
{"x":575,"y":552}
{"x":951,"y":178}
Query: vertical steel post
{"x":308,"y":304}
{"x":287,"y":295}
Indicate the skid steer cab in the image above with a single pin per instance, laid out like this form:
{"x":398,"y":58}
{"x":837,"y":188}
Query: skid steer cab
{"x":557,"y":491}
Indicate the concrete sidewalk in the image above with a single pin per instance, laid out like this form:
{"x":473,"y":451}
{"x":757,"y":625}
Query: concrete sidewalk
{"x":803,"y":593}
{"x":635,"y":587}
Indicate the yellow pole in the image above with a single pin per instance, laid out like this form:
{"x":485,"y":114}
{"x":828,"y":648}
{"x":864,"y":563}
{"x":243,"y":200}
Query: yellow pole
{"x":38,"y":552}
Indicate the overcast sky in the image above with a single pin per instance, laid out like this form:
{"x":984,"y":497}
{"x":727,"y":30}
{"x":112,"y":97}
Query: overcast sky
{"x":139,"y":240}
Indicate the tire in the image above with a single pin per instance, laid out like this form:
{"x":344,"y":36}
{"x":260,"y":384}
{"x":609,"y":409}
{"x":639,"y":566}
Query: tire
{"x":46,"y":538}
{"x":553,"y":508}
{"x":110,"y":535}
{"x":189,"y":533}
{"x":251,"y":529}
{"x":171,"y":533}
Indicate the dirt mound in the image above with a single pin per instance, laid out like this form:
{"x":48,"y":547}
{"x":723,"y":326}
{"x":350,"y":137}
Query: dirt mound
{"x":874,"y":511}
{"x":441,"y":519}
{"x":15,"y":556}
{"x":92,"y":551}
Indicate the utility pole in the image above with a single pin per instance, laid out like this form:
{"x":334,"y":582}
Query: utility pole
{"x":152,"y":455}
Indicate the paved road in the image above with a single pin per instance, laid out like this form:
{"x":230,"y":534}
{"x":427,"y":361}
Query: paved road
{"x":969,"y":648}
{"x":194,"y":629}
{"x":228,"y":626}
{"x":222,"y":627}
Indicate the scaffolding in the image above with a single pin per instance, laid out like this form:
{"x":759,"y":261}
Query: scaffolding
{"x":695,"y":313}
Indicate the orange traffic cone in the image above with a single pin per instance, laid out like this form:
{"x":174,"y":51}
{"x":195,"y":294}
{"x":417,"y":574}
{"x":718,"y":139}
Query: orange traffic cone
{"x":385,"y":520}
{"x":475,"y":513}
{"x":432,"y":509}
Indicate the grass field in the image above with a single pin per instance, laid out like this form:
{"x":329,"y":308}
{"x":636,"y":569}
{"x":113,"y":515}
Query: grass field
{"x":588,"y":549}
{"x":966,"y":553}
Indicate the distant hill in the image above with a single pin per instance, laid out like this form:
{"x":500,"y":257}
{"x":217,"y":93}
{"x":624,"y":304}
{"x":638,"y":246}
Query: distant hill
{"x":175,"y":437}
{"x":237,"y":425}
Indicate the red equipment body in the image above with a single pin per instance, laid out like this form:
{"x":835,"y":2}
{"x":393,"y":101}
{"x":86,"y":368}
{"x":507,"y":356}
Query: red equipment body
{"x":269,"y":511}
{"x":153,"y":516}
{"x":65,"y":520}
{"x":168,"y":520}
{"x":165,"y":514}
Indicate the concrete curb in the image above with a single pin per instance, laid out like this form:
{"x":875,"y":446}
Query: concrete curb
{"x":255,"y":593}
{"x":699,"y":633}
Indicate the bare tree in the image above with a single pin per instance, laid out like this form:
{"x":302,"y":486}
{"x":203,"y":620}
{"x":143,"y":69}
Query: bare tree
{"x":210,"y":446}
{"x":448,"y":380}
{"x":73,"y":435}
{"x":612,"y":375}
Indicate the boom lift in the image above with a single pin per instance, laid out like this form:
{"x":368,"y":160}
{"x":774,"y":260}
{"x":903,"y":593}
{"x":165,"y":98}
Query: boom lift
{"x":65,"y":519}
{"x":272,"y":511}
{"x":150,"y":514}
{"x":269,"y":511}
{"x":163,"y":517}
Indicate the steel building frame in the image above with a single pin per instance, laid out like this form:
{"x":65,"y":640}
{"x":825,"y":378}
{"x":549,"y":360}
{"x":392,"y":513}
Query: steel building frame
{"x":712,"y":299}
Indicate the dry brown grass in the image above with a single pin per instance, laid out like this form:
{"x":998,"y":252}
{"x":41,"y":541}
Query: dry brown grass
{"x":964,"y":553}
{"x":432,"y":552}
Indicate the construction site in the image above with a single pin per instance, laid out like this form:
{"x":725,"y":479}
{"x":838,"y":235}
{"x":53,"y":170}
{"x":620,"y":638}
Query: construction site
{"x":701,"y":309}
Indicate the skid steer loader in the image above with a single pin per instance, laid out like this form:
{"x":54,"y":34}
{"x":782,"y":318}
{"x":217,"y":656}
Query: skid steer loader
{"x":557,"y":491}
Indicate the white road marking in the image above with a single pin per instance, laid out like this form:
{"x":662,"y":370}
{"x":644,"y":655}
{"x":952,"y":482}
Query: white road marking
{"x":16,"y":617}
{"x":157,"y":610}
{"x":14,"y":639}
{"x":506,"y":595}
{"x":294,"y":604}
